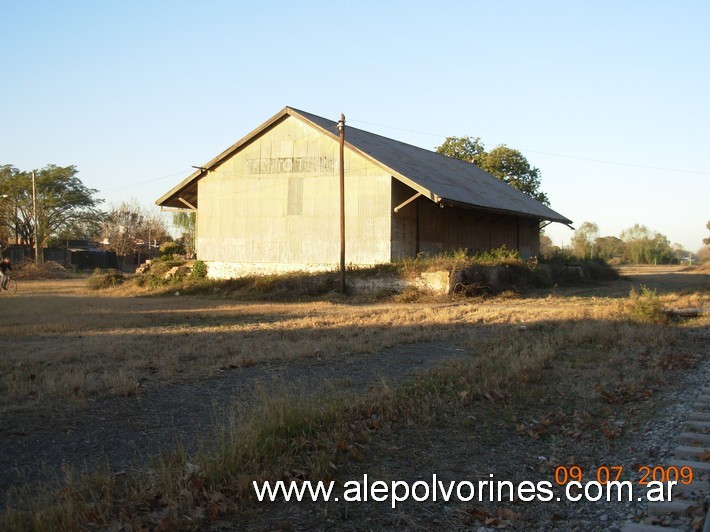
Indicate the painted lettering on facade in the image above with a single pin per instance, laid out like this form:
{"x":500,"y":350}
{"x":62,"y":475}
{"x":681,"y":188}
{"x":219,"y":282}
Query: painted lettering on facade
{"x":292,"y":165}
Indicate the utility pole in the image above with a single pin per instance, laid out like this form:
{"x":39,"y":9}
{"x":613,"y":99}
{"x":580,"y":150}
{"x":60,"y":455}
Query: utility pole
{"x":38,"y":258}
{"x":341,"y":128}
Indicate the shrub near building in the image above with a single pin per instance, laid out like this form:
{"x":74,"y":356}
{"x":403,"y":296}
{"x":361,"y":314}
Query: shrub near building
{"x":101,"y":279}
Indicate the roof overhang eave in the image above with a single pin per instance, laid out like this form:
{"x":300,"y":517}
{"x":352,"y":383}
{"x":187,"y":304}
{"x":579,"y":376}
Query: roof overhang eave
{"x":445,"y":202}
{"x":174,"y":194}
{"x":201,"y":171}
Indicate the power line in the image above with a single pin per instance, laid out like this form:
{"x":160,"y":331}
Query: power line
{"x":141,"y":183}
{"x":439,"y":136}
{"x":587,"y":159}
{"x":630,"y":165}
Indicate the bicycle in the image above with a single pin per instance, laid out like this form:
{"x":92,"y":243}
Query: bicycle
{"x":11,"y":286}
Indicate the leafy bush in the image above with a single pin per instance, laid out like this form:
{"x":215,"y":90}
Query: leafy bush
{"x":558,"y":256}
{"x":599,"y":270}
{"x":566,"y":269}
{"x":497,"y":256}
{"x":199,"y":270}
{"x":646,"y":306}
{"x":105,"y":279}
{"x":457,"y":259}
{"x":160,"y":268}
{"x":168,"y":250}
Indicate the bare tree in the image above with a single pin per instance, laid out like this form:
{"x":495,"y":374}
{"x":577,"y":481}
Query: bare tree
{"x":129,"y":229}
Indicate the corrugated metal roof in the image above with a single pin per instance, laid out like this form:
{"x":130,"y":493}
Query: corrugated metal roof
{"x":443,"y":179}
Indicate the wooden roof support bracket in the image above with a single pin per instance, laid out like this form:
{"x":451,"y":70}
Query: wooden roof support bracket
{"x":190,"y":205}
{"x":407,"y":202}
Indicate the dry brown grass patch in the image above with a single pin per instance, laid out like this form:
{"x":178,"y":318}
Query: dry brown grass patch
{"x":516,"y":348}
{"x":86,"y":346}
{"x":283,"y":436}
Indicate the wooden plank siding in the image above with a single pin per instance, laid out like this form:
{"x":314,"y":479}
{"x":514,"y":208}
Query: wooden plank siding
{"x":450,"y":228}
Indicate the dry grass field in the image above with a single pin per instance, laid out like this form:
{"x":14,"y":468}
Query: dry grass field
{"x":70,"y":352}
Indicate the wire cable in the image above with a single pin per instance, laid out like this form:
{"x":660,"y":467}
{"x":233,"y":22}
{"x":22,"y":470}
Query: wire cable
{"x":586,"y":159}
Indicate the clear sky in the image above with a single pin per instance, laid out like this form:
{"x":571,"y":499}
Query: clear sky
{"x":610,"y":99}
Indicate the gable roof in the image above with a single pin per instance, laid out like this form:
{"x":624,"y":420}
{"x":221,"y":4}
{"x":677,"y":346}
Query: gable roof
{"x":442,"y":179}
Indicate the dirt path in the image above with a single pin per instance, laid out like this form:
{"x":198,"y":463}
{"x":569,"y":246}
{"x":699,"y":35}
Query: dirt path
{"x":123,"y":432}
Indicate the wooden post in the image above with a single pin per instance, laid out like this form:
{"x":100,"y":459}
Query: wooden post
{"x":341,"y":128}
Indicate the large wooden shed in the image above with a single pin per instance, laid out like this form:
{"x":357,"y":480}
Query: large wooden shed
{"x":270,"y":202}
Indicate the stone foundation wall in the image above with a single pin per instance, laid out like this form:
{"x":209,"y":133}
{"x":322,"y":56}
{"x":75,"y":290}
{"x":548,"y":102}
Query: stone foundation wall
{"x":232,"y":270}
{"x":442,"y":282}
{"x":472,"y":281}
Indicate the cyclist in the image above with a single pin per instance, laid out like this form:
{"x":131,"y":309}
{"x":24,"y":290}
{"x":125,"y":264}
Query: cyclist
{"x":4,"y":267}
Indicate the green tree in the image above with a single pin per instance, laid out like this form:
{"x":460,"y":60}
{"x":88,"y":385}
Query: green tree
{"x":583,"y":241}
{"x":465,"y":148}
{"x":661,"y":249}
{"x":511,"y":167}
{"x":680,"y":254}
{"x":186,"y":222}
{"x":641,"y":246}
{"x":609,"y":247}
{"x":546,"y":245}
{"x":636,"y":244}
{"x":706,"y":241}
{"x":64,"y":205}
{"x":507,"y":164}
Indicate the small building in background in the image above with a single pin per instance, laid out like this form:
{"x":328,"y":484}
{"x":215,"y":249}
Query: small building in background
{"x":71,"y":254}
{"x":270,"y":202}
{"x":89,"y":255}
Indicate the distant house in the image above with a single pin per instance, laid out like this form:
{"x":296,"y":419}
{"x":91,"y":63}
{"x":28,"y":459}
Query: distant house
{"x":85,"y":255}
{"x":270,"y":202}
